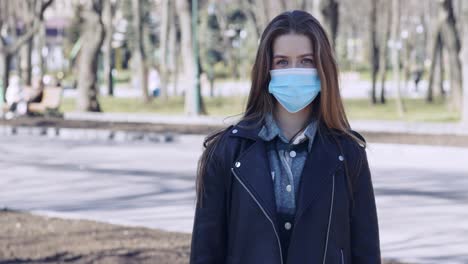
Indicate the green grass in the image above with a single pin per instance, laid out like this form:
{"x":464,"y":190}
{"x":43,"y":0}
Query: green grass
{"x":216,"y":106}
{"x":417,"y":109}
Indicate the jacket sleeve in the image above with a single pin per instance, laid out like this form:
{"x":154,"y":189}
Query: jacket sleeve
{"x":208,"y":243}
{"x":365,"y":244}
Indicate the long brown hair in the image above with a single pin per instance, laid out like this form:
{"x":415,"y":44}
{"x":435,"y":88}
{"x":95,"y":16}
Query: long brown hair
{"x":327,"y":106}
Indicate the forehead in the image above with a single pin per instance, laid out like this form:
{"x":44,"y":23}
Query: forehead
{"x":292,"y":45}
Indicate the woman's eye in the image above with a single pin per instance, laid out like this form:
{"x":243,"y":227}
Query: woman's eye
{"x":307,"y":61}
{"x":282,"y":62}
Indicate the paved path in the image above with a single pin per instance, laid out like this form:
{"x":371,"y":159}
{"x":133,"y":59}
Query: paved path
{"x":430,"y":128}
{"x":421,"y":191}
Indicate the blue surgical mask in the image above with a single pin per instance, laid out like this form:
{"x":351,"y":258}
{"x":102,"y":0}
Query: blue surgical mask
{"x":294,"y":88}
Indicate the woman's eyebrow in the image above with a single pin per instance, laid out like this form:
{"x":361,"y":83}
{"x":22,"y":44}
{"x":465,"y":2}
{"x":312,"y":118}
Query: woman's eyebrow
{"x":284,"y":56}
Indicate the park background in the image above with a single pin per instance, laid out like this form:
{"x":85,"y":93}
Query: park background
{"x":104,"y":171}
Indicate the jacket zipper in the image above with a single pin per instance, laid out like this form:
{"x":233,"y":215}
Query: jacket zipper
{"x":329,"y":218}
{"x":264,"y":212}
{"x":342,"y":256}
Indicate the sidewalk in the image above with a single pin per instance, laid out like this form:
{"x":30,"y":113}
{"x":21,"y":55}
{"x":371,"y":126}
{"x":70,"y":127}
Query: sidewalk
{"x":358,"y":125}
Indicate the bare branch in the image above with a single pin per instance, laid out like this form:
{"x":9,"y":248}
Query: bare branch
{"x":22,"y":39}
{"x":39,"y":17}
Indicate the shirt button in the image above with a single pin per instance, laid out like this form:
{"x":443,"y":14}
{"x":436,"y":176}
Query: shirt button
{"x":288,"y":188}
{"x":292,"y":154}
{"x":234,"y":131}
{"x":237,"y":164}
{"x":341,"y":158}
{"x":287,"y":225}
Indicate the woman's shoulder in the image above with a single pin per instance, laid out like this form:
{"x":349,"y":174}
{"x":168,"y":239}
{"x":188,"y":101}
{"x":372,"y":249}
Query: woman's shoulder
{"x":359,"y":136}
{"x":350,"y":137}
{"x":353,"y":145}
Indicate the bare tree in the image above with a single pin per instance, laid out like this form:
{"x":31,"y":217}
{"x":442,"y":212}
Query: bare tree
{"x":396,"y":54}
{"x":374,"y":49}
{"x":173,"y":50}
{"x":92,"y":36}
{"x":107,"y":19}
{"x":383,"y":65}
{"x":189,"y":64}
{"x":25,"y":11}
{"x":447,"y":37}
{"x":452,"y":44}
{"x":138,"y":53}
{"x":327,"y":12}
{"x":464,"y":54}
{"x":8,"y":49}
{"x":166,"y":21}
{"x":436,"y":60}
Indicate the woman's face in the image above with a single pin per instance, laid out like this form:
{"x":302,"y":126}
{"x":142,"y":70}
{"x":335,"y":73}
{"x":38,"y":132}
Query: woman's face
{"x":292,"y":51}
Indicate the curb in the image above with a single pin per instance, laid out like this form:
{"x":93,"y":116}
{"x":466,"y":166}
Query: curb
{"x":87,"y":134}
{"x":168,"y":132}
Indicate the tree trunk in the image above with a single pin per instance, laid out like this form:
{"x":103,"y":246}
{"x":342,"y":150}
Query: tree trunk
{"x":107,"y":46}
{"x":41,"y":44}
{"x":374,"y":50}
{"x":464,"y":54}
{"x":407,"y":63}
{"x":166,"y":20}
{"x":303,"y":5}
{"x":26,"y":62}
{"x":284,"y":4}
{"x":436,"y":58}
{"x":92,"y":35}
{"x":330,"y":15}
{"x":173,"y":52}
{"x":396,"y":55}
{"x":11,"y":49}
{"x":317,"y":11}
{"x":452,"y":43}
{"x":138,"y":53}
{"x":4,"y":72}
{"x":384,"y":54}
{"x":439,"y":88}
{"x":187,"y":53}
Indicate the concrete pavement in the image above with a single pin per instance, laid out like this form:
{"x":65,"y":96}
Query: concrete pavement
{"x":431,"y":128}
{"x":421,"y":191}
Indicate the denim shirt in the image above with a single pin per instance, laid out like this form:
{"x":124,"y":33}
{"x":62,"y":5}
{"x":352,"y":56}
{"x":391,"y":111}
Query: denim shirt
{"x":286,"y":158}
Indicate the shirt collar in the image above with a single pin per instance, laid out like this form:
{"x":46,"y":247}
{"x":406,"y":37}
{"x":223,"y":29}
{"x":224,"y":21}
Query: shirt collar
{"x":270,"y":130}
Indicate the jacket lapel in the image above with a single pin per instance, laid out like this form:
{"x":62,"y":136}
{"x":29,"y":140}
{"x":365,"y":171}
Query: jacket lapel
{"x":254,"y":171}
{"x":322,"y":161}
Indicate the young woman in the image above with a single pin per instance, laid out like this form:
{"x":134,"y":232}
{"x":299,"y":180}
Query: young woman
{"x":290,"y":182}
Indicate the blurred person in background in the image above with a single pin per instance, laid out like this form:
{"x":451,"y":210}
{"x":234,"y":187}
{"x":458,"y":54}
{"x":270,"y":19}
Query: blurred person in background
{"x":15,"y":98}
{"x":290,"y":182}
{"x":33,"y":93}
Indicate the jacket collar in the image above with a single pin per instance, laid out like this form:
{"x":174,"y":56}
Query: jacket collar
{"x":254,"y":169}
{"x":252,"y":129}
{"x":270,"y":130}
